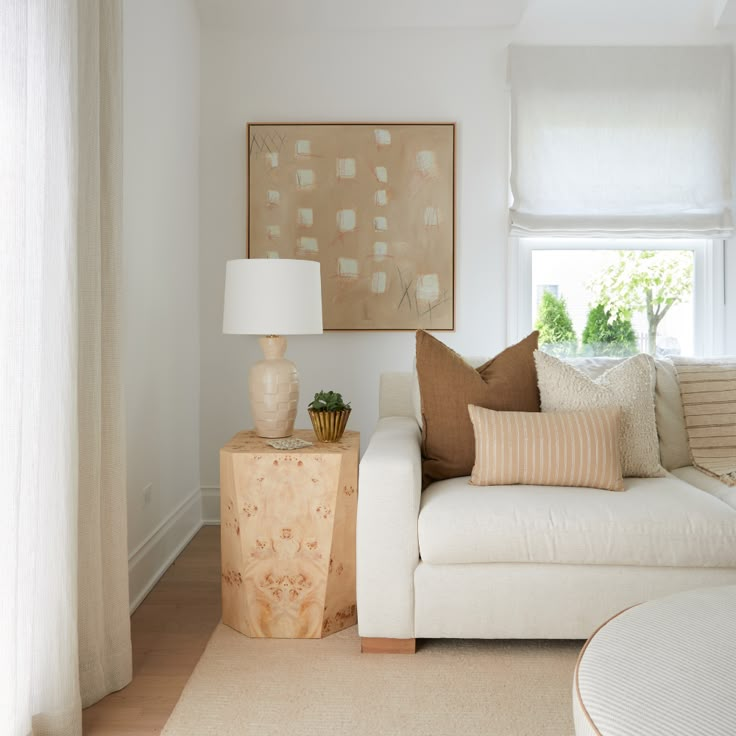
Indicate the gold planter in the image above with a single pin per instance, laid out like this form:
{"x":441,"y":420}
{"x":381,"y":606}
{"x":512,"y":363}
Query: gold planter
{"x":329,"y":425}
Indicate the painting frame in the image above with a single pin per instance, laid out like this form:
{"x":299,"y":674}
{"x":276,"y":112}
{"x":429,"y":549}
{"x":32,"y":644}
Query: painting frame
{"x":373,"y":203}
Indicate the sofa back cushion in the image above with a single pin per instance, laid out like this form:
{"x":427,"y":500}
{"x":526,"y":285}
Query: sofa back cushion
{"x":556,"y":449}
{"x":396,"y":395}
{"x":674,"y":450}
{"x":448,"y":385}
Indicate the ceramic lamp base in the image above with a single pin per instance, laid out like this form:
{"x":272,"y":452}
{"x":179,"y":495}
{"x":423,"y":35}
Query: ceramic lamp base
{"x":273,"y":386}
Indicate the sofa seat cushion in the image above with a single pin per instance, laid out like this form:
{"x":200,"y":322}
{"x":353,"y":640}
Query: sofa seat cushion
{"x":707,"y":483}
{"x":656,"y":521}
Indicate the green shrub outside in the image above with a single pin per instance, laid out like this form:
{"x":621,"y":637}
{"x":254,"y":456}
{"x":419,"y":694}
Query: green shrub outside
{"x":556,"y":332}
{"x":604,"y":336}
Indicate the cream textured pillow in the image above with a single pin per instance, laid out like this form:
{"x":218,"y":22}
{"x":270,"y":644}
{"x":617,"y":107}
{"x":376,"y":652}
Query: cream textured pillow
{"x":628,"y":386}
{"x":557,"y":449}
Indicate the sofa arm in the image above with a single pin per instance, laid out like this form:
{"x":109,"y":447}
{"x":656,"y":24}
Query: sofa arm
{"x":387,"y":548}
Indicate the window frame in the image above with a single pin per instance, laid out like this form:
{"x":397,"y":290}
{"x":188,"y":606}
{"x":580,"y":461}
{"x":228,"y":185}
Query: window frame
{"x":708,"y":281}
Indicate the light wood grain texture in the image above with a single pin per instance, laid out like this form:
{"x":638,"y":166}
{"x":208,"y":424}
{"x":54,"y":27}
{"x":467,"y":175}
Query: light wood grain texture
{"x":170,"y":630}
{"x":288,"y":536}
{"x":380,"y":645}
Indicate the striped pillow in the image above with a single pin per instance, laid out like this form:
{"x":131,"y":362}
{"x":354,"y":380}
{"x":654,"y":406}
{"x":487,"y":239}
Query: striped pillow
{"x":708,"y":390}
{"x":556,"y":449}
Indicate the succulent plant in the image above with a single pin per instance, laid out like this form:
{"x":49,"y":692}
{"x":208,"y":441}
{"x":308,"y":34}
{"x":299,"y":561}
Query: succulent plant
{"x":328,"y":401}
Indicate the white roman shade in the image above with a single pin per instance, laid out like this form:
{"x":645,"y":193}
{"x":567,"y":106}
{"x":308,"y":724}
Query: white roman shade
{"x":614,"y":142}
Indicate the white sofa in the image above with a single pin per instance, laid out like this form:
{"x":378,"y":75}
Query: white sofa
{"x":463,"y":561}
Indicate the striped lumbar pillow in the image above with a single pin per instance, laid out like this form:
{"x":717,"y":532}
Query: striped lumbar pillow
{"x":708,"y":390}
{"x":557,"y":449}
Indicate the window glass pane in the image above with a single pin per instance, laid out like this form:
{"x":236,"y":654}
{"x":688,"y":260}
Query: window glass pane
{"x":613,"y":302}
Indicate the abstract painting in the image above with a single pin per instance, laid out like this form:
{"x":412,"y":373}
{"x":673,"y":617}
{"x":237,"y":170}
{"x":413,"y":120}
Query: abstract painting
{"x":373,"y":203}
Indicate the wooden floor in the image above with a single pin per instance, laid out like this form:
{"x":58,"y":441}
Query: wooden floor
{"x":169,"y":630}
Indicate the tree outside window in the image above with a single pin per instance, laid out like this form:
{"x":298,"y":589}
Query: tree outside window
{"x":555,"y":327}
{"x":651,"y":282}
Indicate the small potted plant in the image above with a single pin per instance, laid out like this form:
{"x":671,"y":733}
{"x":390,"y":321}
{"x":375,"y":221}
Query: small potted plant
{"x":329,"y":415}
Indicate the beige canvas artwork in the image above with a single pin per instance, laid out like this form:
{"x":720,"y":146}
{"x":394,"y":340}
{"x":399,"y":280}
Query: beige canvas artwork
{"x":373,"y":203}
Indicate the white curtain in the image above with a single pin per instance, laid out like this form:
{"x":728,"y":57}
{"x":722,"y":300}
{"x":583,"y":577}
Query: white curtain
{"x":104,"y":621}
{"x":620,"y":141}
{"x":64,"y":627}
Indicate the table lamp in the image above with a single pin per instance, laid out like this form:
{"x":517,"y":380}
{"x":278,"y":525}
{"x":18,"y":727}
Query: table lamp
{"x":273,"y":297}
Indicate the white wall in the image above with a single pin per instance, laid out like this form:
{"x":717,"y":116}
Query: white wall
{"x":369,"y":76}
{"x":185,"y":381}
{"x":161,"y":277}
{"x":420,"y":75}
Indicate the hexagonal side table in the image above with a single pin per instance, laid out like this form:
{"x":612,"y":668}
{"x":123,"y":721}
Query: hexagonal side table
{"x":288,"y":536}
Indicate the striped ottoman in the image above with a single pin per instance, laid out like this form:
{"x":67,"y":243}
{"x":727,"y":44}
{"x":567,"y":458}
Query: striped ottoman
{"x":667,"y":666}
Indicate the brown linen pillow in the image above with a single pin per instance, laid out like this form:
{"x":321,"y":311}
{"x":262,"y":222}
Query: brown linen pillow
{"x":556,"y":449}
{"x":447,"y":385}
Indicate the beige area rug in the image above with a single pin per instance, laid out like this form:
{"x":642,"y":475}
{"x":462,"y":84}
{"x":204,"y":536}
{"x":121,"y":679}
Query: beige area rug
{"x":270,"y":687}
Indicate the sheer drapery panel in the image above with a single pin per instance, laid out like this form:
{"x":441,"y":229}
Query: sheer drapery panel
{"x":39,"y":689}
{"x":104,"y":622}
{"x":64,"y":629}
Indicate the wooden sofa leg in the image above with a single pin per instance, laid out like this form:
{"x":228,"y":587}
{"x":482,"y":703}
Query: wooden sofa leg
{"x":379,"y":645}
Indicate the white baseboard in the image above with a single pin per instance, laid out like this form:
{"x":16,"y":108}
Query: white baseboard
{"x":150,"y":559}
{"x":210,"y":504}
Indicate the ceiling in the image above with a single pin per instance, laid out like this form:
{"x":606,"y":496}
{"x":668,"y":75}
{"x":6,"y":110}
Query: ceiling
{"x":286,"y":15}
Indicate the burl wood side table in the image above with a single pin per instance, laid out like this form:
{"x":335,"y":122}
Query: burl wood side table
{"x":288,"y":536}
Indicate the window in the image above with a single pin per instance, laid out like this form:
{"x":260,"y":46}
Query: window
{"x":541,"y":289}
{"x":591,"y":295}
{"x":620,"y":179}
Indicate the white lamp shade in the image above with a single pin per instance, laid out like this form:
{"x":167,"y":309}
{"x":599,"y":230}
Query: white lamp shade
{"x":272,"y":296}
